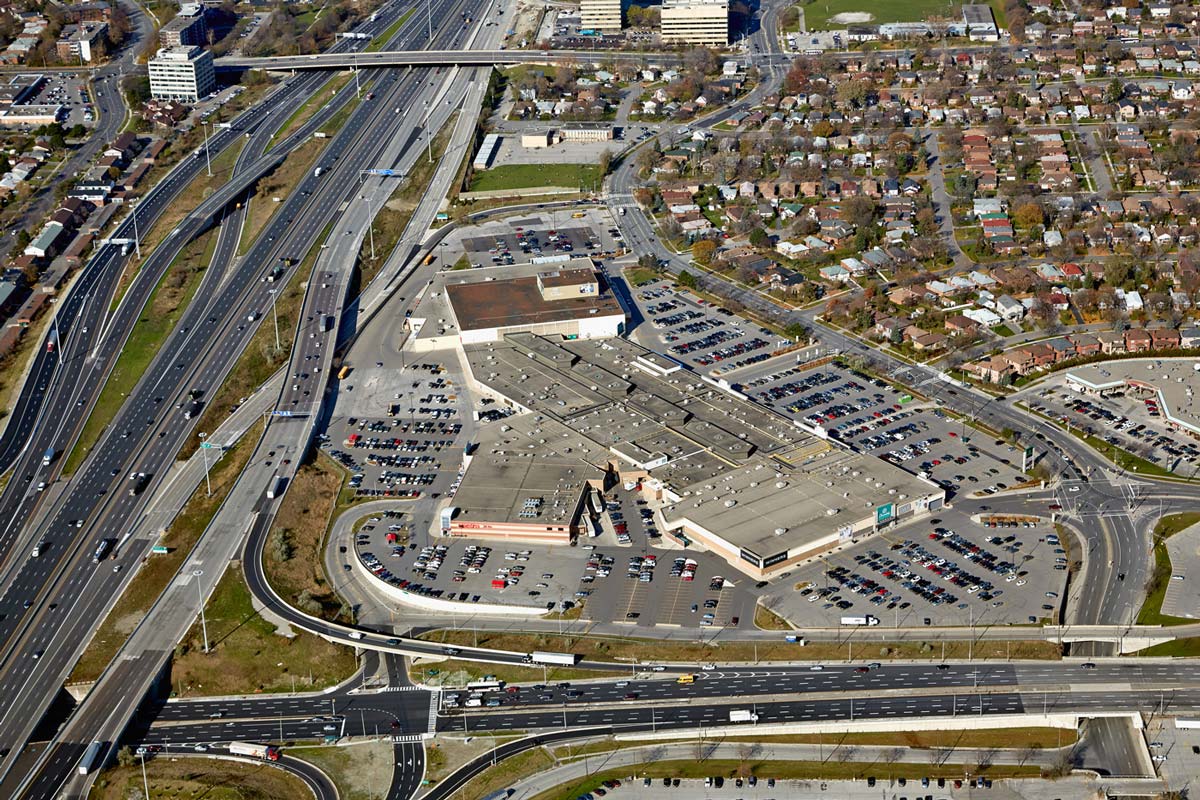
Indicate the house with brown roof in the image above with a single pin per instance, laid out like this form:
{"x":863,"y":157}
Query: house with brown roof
{"x":959,"y":325}
{"x":1138,"y":340}
{"x":1085,"y":344}
{"x":1164,"y":338}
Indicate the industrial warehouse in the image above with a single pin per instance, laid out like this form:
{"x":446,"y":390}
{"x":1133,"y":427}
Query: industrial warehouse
{"x":730,"y":476}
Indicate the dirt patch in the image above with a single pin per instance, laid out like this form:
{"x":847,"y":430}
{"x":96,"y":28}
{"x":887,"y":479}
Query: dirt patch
{"x":852,"y":17}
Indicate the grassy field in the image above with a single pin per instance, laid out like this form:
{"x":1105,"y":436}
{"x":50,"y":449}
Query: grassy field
{"x":781,"y":770}
{"x":303,"y":519}
{"x":247,"y":655}
{"x":260,"y":359}
{"x":170,"y":299}
{"x":279,"y":183}
{"x":636,"y":275}
{"x":817,"y":15}
{"x":191,"y":778}
{"x":524,"y":176}
{"x":152,"y":578}
{"x":379,"y":41}
{"x":1160,"y":577}
{"x":444,"y":754}
{"x":646,"y":651}
{"x":360,"y":772}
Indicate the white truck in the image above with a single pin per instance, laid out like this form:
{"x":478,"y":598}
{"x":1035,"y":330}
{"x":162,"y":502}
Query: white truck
{"x":742,"y":715}
{"x":867,"y":620}
{"x":261,"y":751}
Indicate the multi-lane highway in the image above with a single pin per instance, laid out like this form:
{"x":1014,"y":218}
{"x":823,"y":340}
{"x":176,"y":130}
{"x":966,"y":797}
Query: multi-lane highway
{"x":203,"y":351}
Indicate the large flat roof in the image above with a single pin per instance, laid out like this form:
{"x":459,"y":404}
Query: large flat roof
{"x":703,"y":443}
{"x":519,"y":476}
{"x":1175,"y":379}
{"x":487,"y":301}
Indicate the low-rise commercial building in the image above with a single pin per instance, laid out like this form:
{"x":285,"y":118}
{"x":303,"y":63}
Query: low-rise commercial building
{"x":733,"y":478}
{"x":82,"y":43}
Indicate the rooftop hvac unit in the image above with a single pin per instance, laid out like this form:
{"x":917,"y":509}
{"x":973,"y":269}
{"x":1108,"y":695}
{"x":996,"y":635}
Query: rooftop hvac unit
{"x":829,"y":512}
{"x":780,"y":531}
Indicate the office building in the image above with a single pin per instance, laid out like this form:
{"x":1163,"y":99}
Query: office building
{"x":82,"y":43}
{"x":182,"y":73}
{"x":698,"y":22}
{"x":601,"y":16}
{"x":187,"y":29}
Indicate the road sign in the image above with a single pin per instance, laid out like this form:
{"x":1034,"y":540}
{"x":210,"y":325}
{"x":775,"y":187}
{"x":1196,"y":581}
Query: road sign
{"x":210,"y":446}
{"x":281,"y":413}
{"x":383,"y":173}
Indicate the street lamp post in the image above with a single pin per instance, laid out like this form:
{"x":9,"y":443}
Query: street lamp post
{"x":207,"y":160}
{"x":275,"y":318}
{"x":145,"y":780}
{"x":204,"y":455}
{"x":137,"y":242}
{"x":196,"y":573}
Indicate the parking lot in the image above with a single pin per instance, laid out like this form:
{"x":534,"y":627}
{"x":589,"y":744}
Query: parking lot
{"x":1131,"y":420}
{"x":711,"y":339}
{"x":410,"y":433}
{"x":524,"y":240}
{"x":946,"y":570}
{"x":873,"y":417}
{"x":69,"y":91}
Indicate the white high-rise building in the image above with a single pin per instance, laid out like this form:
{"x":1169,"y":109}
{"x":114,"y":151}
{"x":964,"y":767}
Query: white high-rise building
{"x":603,"y":16}
{"x":703,"y":22}
{"x":182,"y":73}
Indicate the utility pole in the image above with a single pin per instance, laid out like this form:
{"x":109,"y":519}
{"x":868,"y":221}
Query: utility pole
{"x":429,"y":16}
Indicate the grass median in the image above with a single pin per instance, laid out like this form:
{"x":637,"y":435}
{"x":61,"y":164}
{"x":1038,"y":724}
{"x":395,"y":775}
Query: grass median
{"x":200,"y":188}
{"x":278,"y":183}
{"x":178,"y":778}
{"x":248,"y":655}
{"x":382,"y":39}
{"x":158,"y":570}
{"x":994,"y":738}
{"x":305,"y":112}
{"x":170,"y":299}
{"x":647,"y":651}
